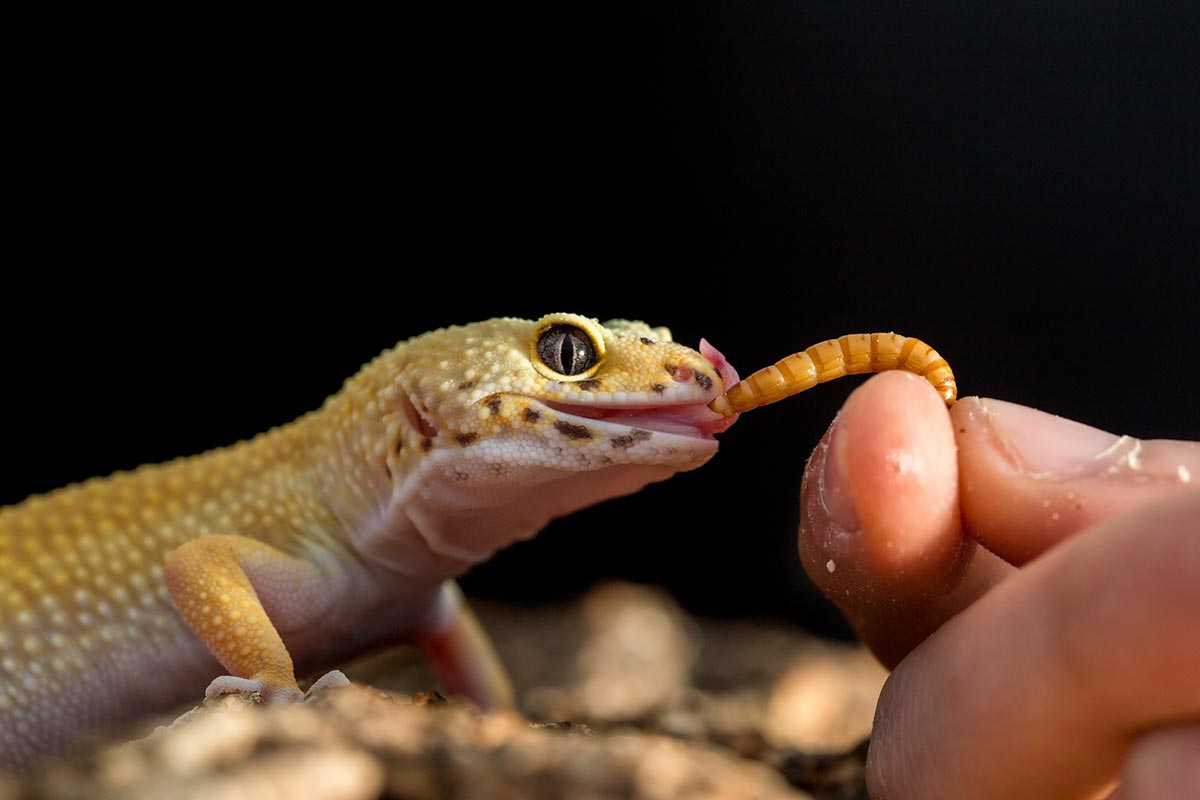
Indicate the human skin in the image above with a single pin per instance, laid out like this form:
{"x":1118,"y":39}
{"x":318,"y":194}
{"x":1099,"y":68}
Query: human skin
{"x":1033,"y":582}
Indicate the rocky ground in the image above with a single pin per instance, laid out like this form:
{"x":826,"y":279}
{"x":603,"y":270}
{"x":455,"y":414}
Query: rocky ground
{"x":622,"y":696}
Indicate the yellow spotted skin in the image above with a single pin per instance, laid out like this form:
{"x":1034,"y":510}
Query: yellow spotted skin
{"x":331,"y":535}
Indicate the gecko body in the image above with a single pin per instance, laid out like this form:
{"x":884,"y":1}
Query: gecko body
{"x":289,"y":553}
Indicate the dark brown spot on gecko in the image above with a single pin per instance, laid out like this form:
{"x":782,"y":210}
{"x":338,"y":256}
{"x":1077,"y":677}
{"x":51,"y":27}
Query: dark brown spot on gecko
{"x":531,"y":415}
{"x":492,"y":401}
{"x":671,"y":369}
{"x":630,"y":439}
{"x":703,"y":381}
{"x":426,"y":445}
{"x":399,"y":446}
{"x":461,"y":476}
{"x":466,"y":438}
{"x":590,"y":384}
{"x":572,"y":431}
{"x":647,"y":341}
{"x":462,"y":387}
{"x":657,"y":388}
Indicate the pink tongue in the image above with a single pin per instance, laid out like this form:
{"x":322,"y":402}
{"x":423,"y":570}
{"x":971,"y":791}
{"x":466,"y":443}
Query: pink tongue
{"x":728,"y":374}
{"x":729,"y":377}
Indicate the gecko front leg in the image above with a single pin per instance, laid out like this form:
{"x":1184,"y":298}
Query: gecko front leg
{"x":219,"y":582}
{"x":233,"y":592}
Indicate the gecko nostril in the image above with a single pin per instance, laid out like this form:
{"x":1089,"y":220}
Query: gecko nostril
{"x":680,"y":374}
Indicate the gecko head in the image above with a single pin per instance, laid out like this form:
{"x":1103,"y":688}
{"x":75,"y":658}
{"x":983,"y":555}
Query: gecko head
{"x":505,"y":424}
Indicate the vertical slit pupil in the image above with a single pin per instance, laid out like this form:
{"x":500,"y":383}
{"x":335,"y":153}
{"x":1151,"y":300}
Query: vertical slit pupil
{"x":572,"y":354}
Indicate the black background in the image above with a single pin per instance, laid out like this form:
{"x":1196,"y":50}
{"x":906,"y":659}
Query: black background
{"x":213,"y":222}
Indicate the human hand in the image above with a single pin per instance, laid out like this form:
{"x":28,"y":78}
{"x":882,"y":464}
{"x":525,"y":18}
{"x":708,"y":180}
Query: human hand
{"x":1066,"y":653}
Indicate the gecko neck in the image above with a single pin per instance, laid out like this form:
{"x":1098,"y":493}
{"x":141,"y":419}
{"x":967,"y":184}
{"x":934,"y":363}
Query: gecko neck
{"x":353,"y":463}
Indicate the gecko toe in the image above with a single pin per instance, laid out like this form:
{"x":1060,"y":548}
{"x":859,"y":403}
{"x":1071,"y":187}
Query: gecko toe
{"x":272,"y":695}
{"x":334,"y":679}
{"x":230,"y":684}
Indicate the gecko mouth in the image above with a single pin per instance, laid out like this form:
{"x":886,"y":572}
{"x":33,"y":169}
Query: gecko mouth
{"x":682,"y":419}
{"x":693,"y":419}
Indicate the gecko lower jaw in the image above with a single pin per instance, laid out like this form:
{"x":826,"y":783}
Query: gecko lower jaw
{"x":695,"y":420}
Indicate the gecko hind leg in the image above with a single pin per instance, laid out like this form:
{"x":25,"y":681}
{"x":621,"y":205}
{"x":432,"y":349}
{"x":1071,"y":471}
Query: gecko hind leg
{"x":461,"y":654}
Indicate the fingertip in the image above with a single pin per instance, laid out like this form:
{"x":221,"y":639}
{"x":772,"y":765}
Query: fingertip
{"x":898,"y":455}
{"x":897,"y":565}
{"x":880,"y":497}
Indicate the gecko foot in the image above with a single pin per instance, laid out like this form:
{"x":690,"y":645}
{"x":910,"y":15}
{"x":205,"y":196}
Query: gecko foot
{"x":334,"y":679}
{"x":274,"y":695}
{"x":270,"y":694}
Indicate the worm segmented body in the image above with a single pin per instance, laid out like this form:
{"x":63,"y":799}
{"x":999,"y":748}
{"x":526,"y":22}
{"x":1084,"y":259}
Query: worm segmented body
{"x":847,"y":355}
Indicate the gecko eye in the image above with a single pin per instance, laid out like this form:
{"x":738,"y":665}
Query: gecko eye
{"x":567,"y":350}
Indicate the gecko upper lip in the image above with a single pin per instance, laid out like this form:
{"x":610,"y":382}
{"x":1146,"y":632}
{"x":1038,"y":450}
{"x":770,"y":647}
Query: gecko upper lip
{"x":690,"y":419}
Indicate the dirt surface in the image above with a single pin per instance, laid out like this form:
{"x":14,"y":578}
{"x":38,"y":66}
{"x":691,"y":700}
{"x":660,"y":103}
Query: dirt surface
{"x":621,"y":696}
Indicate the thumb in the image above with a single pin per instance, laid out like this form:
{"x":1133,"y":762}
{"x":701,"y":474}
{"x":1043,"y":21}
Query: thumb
{"x":1029,"y":479}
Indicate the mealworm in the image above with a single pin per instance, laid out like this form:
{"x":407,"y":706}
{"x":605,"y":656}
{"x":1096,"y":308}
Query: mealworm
{"x":848,"y":355}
